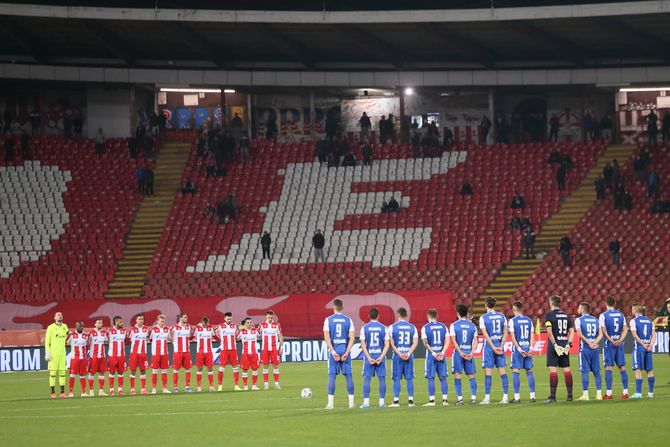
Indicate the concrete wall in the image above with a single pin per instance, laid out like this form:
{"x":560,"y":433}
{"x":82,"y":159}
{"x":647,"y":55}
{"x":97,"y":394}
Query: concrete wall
{"x":110,"y":108}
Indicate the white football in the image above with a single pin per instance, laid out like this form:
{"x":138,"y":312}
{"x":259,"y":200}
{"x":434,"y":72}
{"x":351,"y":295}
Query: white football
{"x":306,"y":393}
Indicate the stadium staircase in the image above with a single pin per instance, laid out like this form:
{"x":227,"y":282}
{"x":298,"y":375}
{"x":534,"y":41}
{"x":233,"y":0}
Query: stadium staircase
{"x":148,"y":224}
{"x":571,"y":210}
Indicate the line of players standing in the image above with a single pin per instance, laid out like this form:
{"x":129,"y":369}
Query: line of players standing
{"x":402,"y":339}
{"x":103,"y":350}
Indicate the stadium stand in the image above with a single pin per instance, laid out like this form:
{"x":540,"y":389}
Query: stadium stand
{"x":64,"y":217}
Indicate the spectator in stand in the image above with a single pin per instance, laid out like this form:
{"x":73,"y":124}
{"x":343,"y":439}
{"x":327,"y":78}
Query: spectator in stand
{"x":366,"y":125}
{"x":349,"y":160}
{"x":9,"y":146}
{"x":638,"y":167}
{"x":271,"y":128}
{"x":501,"y":130}
{"x":616,"y":174}
{"x":228,"y":145}
{"x":188,"y":187}
{"x":322,"y":149}
{"x":25,"y":145}
{"x":608,"y":170}
{"x":588,"y":126}
{"x":525,"y":223}
{"x":665,"y":127}
{"x":393,"y":205}
{"x":517,"y":202}
{"x":565,"y":247}
{"x":67,"y":126}
{"x":484,"y":128}
{"x":318,"y":242}
{"x":606,"y":127}
{"x":78,"y":124}
{"x":615,"y":250}
{"x":529,"y":242}
{"x":448,"y":137}
{"x":236,"y":127}
{"x":515,"y":223}
{"x":597,"y":134}
{"x":222,"y":212}
{"x":554,"y":124}
{"x":416,"y":144}
{"x":7,"y":121}
{"x":266,"y":241}
{"x":100,"y":142}
{"x":619,"y":193}
{"x":383,"y":129}
{"x":35,"y":120}
{"x":466,"y":188}
{"x":367,"y":153}
{"x":201,"y":143}
{"x":139,"y":176}
{"x":149,"y":181}
{"x":132,"y":147}
{"x":652,"y":129}
{"x":560,"y":178}
{"x":231,"y":206}
{"x":390,"y":128}
{"x":627,"y":200}
{"x":153,"y":123}
{"x":244,"y":148}
{"x":653,"y":184}
{"x":162,"y":124}
{"x":600,"y":187}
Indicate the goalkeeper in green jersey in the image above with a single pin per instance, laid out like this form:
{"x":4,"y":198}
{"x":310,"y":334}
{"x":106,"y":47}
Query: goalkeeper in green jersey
{"x":54,"y":346}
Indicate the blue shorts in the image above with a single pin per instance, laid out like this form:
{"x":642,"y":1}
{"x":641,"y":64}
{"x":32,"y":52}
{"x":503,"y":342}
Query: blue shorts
{"x":341,"y":367}
{"x":403,"y":368}
{"x":461,"y":366}
{"x":588,"y":360}
{"x":435,"y":367}
{"x":374,"y":370}
{"x":642,"y":359}
{"x":520,"y":362}
{"x":492,"y":360}
{"x":613,"y":355}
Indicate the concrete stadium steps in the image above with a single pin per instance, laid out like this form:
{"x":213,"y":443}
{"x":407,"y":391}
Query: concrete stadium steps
{"x":571,"y":210}
{"x":147,"y":228}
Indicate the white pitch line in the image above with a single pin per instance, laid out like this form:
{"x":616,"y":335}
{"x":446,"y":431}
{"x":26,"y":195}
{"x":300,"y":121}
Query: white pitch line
{"x":177,"y":413}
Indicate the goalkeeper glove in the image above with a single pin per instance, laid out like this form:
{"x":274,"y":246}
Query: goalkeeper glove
{"x":47,"y":356}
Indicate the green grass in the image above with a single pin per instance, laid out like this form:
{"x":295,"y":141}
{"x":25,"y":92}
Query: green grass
{"x":29,"y":417}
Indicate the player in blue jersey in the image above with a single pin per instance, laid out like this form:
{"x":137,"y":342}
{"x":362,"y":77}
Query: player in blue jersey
{"x":494,"y":329}
{"x":374,"y":344}
{"x":404,"y":340}
{"x":339,"y":335}
{"x":521,"y":333}
{"x":435,"y":338}
{"x":614,"y":329}
{"x":587,"y":328}
{"x":464,"y":338}
{"x":644,"y":335}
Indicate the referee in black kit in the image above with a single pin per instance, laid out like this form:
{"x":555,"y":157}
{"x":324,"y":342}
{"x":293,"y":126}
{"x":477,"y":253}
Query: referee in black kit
{"x":560,"y":333}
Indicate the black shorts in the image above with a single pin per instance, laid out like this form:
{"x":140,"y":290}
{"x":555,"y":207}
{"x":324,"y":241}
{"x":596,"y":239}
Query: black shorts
{"x":555,"y":360}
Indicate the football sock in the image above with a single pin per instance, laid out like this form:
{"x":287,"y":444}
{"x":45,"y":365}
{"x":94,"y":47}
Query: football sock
{"x":396,"y":389}
{"x":52,"y":378}
{"x":120,"y":380}
{"x":90,"y":381}
{"x":111,"y":383}
{"x":154,"y":379}
{"x":516,"y":383}
{"x":505,"y":383}
{"x":210,"y":377}
{"x":351,"y":399}
{"x":585,"y":381}
{"x":236,"y":375}
{"x":82,"y":383}
{"x":198,"y":378}
{"x":219,"y":376}
{"x":101,"y":382}
{"x":487,"y":386}
{"x":265,"y":375}
{"x":458,"y":387}
{"x":410,"y":388}
{"x":62,"y":389}
{"x":473,"y":387}
{"x":143,"y":380}
{"x":366,"y":401}
{"x":599,"y":381}
{"x":651,"y":381}
{"x":188,"y":378}
{"x":254,"y":378}
{"x":350,"y":384}
{"x":431,"y":388}
{"x":553,"y":383}
{"x":164,"y":378}
{"x":638,"y":386}
{"x":568,"y":382}
{"x":175,"y":379}
{"x":275,"y":374}
{"x":331,"y":384}
{"x":444,"y":387}
{"x":624,"y":380}
{"x":608,"y":381}
{"x":71,"y":382}
{"x":366,"y":387}
{"x":382,"y":389}
{"x":531,"y":382}
{"x":331,"y":399}
{"x":53,"y":390}
{"x":245,"y":378}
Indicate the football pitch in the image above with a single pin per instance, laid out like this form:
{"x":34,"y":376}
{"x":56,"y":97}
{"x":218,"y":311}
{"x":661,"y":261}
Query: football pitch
{"x":29,"y":417}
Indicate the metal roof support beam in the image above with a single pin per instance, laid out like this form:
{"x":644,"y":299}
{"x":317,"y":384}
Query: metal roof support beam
{"x":648,"y":44}
{"x":470,"y":50}
{"x":200,"y":44}
{"x":377,"y":48}
{"x":552,"y":43}
{"x":22,"y":38}
{"x":287,"y":45}
{"x":108,"y":39}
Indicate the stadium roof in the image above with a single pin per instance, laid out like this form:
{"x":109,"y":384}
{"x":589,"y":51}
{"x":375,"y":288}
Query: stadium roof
{"x":546,"y":35}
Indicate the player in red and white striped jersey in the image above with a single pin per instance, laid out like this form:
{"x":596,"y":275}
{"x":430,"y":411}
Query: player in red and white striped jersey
{"x":160,"y":334}
{"x":78,"y":341}
{"x":97,"y":361}
{"x":117,"y":337}
{"x":249,"y":336}
{"x":203,"y":334}
{"x":138,"y":336}
{"x":226,"y":334}
{"x":181,"y":335}
{"x":273,"y":342}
